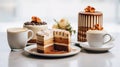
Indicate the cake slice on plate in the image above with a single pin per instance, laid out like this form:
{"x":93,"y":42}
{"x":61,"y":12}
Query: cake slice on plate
{"x":50,"y":40}
{"x":61,"y":40}
{"x":45,"y":41}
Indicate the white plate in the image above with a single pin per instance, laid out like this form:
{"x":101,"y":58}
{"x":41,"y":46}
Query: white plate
{"x":105,"y":47}
{"x":74,"y":50}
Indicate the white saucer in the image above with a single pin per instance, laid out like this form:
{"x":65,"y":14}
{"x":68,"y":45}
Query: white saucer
{"x":105,"y":47}
{"x":74,"y":50}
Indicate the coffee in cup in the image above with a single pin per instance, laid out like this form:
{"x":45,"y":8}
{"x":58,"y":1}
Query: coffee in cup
{"x":18,"y":37}
{"x":96,"y":38}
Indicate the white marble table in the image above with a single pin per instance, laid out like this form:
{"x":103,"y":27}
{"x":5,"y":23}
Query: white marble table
{"x":83,"y":59}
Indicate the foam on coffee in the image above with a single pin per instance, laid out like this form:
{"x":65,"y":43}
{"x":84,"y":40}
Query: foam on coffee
{"x":15,"y":30}
{"x":96,"y":31}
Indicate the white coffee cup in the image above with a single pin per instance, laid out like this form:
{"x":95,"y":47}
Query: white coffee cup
{"x":96,"y":38}
{"x":18,"y":37}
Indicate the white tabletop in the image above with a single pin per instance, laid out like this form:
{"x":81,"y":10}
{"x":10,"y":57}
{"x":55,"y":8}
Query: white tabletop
{"x":83,"y":59}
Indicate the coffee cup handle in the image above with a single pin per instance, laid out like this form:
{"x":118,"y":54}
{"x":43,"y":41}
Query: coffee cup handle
{"x":111,"y":38}
{"x":32,"y":33}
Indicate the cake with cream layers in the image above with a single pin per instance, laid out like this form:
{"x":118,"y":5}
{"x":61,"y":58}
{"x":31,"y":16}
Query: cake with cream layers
{"x":61,"y":40}
{"x":44,"y":41}
{"x":56,"y":39}
{"x":86,"y":20}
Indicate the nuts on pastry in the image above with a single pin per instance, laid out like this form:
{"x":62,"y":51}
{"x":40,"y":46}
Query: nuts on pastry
{"x":97,"y":27}
{"x":36,"y":19}
{"x":89,"y":9}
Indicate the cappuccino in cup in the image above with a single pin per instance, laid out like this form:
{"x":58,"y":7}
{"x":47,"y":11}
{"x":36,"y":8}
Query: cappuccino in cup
{"x":96,"y":38}
{"x":18,"y":37}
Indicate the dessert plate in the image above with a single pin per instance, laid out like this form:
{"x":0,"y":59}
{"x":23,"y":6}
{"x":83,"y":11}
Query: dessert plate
{"x":29,"y":49}
{"x":105,"y":47}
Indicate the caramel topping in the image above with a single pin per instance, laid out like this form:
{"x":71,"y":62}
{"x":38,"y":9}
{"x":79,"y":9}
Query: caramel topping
{"x":97,"y":27}
{"x":89,"y":9}
{"x":36,"y":19}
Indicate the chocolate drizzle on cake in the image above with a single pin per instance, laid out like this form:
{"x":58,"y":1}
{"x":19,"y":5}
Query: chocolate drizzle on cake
{"x":34,"y":23}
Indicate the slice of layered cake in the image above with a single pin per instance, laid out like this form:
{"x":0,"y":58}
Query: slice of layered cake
{"x":45,"y":41}
{"x":53,"y":40}
{"x":61,"y":40}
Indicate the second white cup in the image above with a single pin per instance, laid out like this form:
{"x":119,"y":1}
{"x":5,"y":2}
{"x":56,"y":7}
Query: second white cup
{"x":96,"y":38}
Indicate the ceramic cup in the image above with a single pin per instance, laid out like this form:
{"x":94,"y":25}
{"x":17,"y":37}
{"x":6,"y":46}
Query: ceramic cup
{"x":96,"y":38}
{"x":18,"y":37}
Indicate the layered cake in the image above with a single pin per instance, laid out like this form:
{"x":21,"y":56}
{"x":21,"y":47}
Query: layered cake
{"x":61,"y":40}
{"x":45,"y":41}
{"x":36,"y":24}
{"x":53,"y":40}
{"x":86,"y":20}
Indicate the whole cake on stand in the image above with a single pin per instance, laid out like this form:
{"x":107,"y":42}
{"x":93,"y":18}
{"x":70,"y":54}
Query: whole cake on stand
{"x":86,"y":20}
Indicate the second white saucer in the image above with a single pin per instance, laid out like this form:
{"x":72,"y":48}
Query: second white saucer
{"x":105,"y":47}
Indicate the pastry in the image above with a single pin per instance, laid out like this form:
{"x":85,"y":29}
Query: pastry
{"x":36,"y":24}
{"x":86,"y":20}
{"x":50,"y":40}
